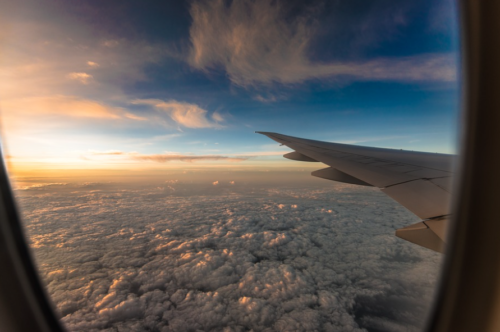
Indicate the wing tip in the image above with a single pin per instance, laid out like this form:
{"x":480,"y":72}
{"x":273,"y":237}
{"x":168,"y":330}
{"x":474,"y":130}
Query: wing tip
{"x":264,"y":132}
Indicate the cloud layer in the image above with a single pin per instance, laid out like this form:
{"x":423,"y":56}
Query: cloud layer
{"x":256,"y":42}
{"x":232,"y":257}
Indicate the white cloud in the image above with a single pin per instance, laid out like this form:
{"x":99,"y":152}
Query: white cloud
{"x":217,"y":117}
{"x":111,"y":43}
{"x":92,"y":64}
{"x":83,"y":78}
{"x":235,"y":257}
{"x":38,"y":186}
{"x":225,"y":35}
{"x":185,"y":114}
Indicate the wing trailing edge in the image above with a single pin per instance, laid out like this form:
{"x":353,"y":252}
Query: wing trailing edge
{"x":333,"y":174}
{"x":430,"y":234}
{"x":297,"y":156}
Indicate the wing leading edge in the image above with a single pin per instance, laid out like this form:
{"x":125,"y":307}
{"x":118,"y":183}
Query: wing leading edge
{"x":419,"y":181}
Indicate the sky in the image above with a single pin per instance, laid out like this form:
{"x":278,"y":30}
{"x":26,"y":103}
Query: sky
{"x":183,"y":84}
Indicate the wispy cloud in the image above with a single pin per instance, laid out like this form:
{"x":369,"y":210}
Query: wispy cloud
{"x":163,"y":158}
{"x":107,"y":153}
{"x":55,"y":77}
{"x":83,"y":78}
{"x":255,"y":43}
{"x":269,"y":98}
{"x":68,"y":106}
{"x":217,"y":117}
{"x":92,"y":64}
{"x":174,"y":156}
{"x":184,"y":114}
{"x":111,"y":43}
{"x":262,"y":153}
{"x":167,"y":157}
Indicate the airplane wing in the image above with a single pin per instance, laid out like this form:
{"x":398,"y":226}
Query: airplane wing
{"x":420,"y":181}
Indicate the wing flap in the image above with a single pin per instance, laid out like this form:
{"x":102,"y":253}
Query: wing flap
{"x":377,"y":176}
{"x":422,"y":197}
{"x":443,"y":183}
{"x":439,"y":226}
{"x":298,"y":157}
{"x":333,"y":174}
{"x":422,"y":235}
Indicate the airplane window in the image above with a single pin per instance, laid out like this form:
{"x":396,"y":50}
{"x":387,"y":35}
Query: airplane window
{"x":149,"y":201}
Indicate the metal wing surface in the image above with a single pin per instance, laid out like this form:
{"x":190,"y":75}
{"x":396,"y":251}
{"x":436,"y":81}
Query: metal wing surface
{"x":420,"y":181}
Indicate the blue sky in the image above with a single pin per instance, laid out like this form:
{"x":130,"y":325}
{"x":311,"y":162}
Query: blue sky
{"x":121,"y":82}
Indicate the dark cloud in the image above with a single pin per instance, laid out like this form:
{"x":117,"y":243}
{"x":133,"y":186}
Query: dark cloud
{"x":228,"y":258}
{"x":259,"y":42}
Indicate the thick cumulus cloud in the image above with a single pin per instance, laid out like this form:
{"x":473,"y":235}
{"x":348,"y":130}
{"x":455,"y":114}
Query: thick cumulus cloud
{"x":231,"y":257}
{"x":258,"y":42}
